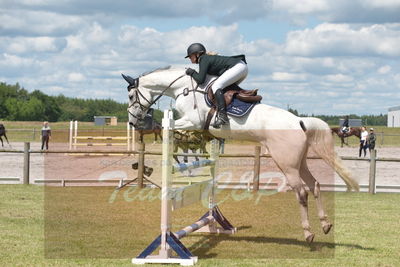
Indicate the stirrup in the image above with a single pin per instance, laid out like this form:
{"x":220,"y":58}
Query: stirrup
{"x":220,"y":120}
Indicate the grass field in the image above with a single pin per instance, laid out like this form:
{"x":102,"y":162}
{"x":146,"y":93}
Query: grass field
{"x":95,"y":226}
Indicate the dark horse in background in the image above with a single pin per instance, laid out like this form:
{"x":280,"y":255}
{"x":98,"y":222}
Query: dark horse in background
{"x":3,"y":133}
{"x":149,"y":126}
{"x":155,"y":129}
{"x":342,"y":135}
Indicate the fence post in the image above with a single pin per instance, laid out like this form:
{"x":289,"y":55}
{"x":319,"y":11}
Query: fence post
{"x":372,"y":172}
{"x":256,"y":178}
{"x":25,"y":176}
{"x":141,"y":165}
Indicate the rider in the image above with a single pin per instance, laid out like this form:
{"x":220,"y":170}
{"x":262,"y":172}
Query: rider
{"x":229,"y":69}
{"x":345,"y":125}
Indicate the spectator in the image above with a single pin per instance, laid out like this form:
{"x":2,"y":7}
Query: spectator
{"x":363,"y":142}
{"x":371,"y":139}
{"x":46,"y":133}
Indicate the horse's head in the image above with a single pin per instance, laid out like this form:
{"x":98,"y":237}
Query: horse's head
{"x":140,"y":101}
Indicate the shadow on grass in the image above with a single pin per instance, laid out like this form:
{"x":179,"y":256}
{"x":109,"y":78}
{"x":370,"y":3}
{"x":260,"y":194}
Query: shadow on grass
{"x":203,"y":248}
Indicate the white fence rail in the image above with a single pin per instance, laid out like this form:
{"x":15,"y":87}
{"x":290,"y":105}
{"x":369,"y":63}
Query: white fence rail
{"x":254,"y":184}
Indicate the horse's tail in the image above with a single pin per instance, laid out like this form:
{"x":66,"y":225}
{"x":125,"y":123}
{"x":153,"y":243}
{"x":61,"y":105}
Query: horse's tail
{"x":320,"y":138}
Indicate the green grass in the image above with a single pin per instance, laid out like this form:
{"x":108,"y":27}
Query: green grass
{"x":94,"y":226}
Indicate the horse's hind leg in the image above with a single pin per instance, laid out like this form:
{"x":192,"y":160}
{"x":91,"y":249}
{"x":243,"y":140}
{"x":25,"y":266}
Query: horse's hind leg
{"x":1,"y":139}
{"x":314,"y":186}
{"x":155,"y":138}
{"x":287,"y":150}
{"x":6,"y":138}
{"x":175,"y":151}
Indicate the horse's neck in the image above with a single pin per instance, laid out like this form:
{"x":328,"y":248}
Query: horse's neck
{"x":173,"y":82}
{"x":168,"y":82}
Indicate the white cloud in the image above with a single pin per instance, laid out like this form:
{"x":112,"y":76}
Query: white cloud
{"x":339,"y":78}
{"x":301,"y":7}
{"x":80,"y":49}
{"x":13,"y":61}
{"x":76,"y":77}
{"x":343,"y":39}
{"x":338,"y":11}
{"x":285,"y":76}
{"x":384,"y":69}
{"x":17,"y":22}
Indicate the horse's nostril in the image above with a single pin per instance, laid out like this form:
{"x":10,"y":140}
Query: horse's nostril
{"x":131,"y":124}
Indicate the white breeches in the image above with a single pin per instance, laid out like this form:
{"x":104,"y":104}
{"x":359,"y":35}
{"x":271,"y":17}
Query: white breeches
{"x":236,"y":74}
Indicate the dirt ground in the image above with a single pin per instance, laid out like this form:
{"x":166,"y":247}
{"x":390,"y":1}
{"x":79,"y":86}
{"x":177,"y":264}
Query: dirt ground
{"x":63,"y":166}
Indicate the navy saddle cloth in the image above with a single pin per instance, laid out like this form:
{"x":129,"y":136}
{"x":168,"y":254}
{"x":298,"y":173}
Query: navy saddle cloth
{"x":236,"y":108}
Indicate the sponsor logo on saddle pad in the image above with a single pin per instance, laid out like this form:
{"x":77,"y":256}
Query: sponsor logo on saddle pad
{"x":237,"y":108}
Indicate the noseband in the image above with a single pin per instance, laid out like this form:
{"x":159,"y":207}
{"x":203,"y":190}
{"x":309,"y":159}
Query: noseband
{"x":138,"y":94}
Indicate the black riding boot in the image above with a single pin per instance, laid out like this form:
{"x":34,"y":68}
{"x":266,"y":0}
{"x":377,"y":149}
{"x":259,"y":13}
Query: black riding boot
{"x":222,"y":118}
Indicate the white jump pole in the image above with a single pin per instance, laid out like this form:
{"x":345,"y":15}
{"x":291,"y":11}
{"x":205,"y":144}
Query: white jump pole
{"x":128,"y":137}
{"x":134,"y":138}
{"x":168,"y":241}
{"x":71,"y":126}
{"x":75,"y":133}
{"x":166,"y":180}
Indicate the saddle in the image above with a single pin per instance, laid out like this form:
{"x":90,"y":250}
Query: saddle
{"x":234,"y":91}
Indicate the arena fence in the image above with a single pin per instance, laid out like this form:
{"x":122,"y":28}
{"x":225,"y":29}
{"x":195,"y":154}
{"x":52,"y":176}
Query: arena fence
{"x":253,"y":184}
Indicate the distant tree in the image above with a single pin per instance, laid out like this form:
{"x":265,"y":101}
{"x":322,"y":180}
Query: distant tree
{"x":12,"y":109}
{"x":293,"y":111}
{"x":33,"y":110}
{"x":52,"y":110}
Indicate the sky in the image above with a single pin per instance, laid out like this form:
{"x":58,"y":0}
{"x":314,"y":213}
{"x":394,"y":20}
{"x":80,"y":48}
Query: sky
{"x":316,"y":56}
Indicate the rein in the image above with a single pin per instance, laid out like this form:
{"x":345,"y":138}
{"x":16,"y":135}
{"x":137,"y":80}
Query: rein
{"x":142,"y":107}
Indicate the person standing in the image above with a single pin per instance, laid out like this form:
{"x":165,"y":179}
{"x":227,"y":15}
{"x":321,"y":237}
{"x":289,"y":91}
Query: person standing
{"x":371,"y":139}
{"x":46,"y":133}
{"x":363,"y":142}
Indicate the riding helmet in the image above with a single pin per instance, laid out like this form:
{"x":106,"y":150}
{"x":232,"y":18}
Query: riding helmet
{"x":195,"y":48}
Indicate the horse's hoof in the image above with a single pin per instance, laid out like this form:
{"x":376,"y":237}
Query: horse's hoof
{"x":326,"y":228}
{"x":310,"y":238}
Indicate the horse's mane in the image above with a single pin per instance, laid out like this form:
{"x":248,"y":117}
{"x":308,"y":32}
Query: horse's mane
{"x":155,"y":70}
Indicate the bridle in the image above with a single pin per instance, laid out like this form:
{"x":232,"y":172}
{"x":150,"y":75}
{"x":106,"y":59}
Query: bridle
{"x":138,"y":94}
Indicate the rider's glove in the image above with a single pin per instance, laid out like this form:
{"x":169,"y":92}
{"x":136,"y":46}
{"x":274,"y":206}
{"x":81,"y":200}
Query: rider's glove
{"x":190,"y":71}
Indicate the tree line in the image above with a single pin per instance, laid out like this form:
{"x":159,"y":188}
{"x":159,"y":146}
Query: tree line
{"x":17,"y":104}
{"x":370,"y":120}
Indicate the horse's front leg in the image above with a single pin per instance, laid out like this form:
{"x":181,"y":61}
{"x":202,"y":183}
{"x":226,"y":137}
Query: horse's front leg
{"x":194,"y":151}
{"x":176,"y":151}
{"x":183,"y":124}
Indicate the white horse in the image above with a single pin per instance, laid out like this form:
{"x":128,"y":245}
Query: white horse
{"x":281,"y":132}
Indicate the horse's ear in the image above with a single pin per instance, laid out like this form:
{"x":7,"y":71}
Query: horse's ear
{"x":128,"y":79}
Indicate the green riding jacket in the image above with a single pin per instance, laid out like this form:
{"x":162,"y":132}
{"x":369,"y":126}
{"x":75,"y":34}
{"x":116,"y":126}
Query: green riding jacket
{"x":215,"y":65}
